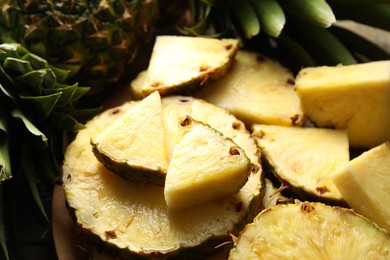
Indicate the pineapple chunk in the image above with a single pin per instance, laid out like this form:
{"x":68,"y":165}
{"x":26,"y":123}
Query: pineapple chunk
{"x":304,"y":158}
{"x":121,"y":146}
{"x":351,"y":97}
{"x":257,"y":90}
{"x":204,"y":166}
{"x":307,"y":230}
{"x":365,"y":184}
{"x":183,"y":64}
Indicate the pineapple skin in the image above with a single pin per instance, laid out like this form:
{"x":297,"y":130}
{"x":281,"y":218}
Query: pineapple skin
{"x":348,"y":97}
{"x":95,"y":40}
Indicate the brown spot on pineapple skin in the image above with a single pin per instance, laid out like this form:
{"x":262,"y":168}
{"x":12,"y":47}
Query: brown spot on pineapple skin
{"x":183,"y":100}
{"x":307,"y":207}
{"x":186,"y":121}
{"x":203,"y":68}
{"x":156,"y":84}
{"x":290,"y":81}
{"x":110,"y":234}
{"x":234,"y":151}
{"x":297,"y":120}
{"x":321,"y":190}
{"x":260,"y":134}
{"x":228,"y":47}
{"x":255,"y":168}
{"x":237,"y":125}
{"x":115,"y":111}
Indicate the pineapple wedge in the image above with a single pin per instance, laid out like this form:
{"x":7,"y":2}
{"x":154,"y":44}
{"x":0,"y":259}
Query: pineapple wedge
{"x":351,"y":97}
{"x":121,"y":146}
{"x":257,"y":90}
{"x":183,"y":64}
{"x":132,"y":218}
{"x":304,"y":158}
{"x":307,"y":230}
{"x":365,"y":184}
{"x":205,"y":166}
{"x":176,"y":107}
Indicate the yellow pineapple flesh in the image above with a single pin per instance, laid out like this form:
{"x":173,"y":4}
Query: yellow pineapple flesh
{"x":365,"y":184}
{"x":205,"y":166}
{"x":306,"y":230}
{"x":351,"y":97}
{"x":257,"y":89}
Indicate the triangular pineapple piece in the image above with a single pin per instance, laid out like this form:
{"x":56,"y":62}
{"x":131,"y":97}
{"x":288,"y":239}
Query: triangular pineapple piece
{"x":304,"y":158}
{"x":307,"y":230}
{"x":257,"y":89}
{"x":183,"y":64}
{"x":134,"y":145}
{"x":176,"y":107}
{"x":205,"y":165}
{"x":351,"y":97}
{"x":365,"y":184}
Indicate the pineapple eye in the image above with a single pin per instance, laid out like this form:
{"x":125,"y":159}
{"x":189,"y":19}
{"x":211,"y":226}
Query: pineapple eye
{"x":186,"y":121}
{"x":237,"y":125}
{"x":234,"y":151}
{"x":307,"y":206}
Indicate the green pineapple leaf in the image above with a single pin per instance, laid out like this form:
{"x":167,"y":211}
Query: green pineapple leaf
{"x":5,"y":162}
{"x":18,"y":114}
{"x":44,"y":104}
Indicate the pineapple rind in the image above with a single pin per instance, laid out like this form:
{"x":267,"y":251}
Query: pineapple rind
{"x":307,"y":230}
{"x":133,"y":218}
{"x":304,"y":158}
{"x":365,"y":184}
{"x":347,"y":97}
{"x":273,"y":99}
{"x":183,"y":65}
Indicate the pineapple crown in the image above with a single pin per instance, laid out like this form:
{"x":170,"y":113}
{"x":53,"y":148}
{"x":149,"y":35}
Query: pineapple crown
{"x":36,"y":95}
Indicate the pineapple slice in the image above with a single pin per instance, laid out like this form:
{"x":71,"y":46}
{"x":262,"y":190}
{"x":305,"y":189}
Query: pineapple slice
{"x":184,"y":63}
{"x":307,"y":230}
{"x":134,"y":218}
{"x":304,"y":158}
{"x":365,"y":184}
{"x":121,"y":146}
{"x":257,"y":90}
{"x":351,"y":97}
{"x":205,"y":165}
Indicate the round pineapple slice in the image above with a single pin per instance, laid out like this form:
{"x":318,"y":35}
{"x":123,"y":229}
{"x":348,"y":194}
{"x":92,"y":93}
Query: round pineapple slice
{"x":134,"y":217}
{"x":307,"y":230}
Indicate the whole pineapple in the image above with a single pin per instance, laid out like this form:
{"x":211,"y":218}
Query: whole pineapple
{"x":95,"y":40}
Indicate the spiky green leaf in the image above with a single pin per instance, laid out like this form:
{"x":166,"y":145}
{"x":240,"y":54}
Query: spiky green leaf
{"x":18,"y":114}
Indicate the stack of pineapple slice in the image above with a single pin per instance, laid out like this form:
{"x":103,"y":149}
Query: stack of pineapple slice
{"x":170,"y":173}
{"x":210,"y":187}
